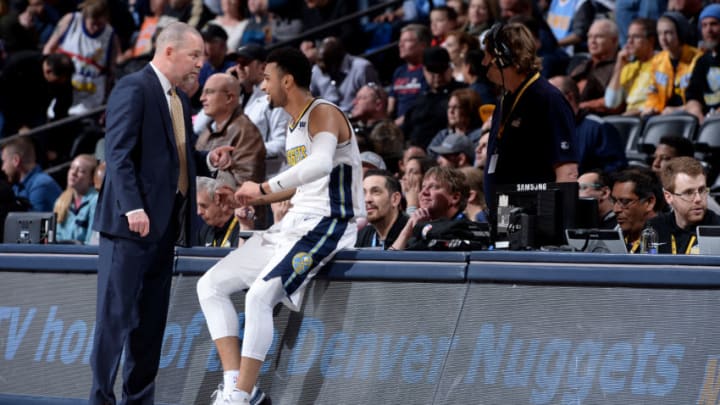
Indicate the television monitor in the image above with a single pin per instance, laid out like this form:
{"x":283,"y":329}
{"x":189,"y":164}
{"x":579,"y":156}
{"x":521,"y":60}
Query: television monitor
{"x":708,"y":239}
{"x":29,"y":227}
{"x":530,"y":216}
{"x":597,"y":240}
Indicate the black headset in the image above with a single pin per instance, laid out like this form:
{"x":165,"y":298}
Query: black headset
{"x":498,"y":47}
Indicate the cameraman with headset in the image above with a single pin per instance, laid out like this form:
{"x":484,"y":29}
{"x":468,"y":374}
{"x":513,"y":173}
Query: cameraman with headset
{"x":533,"y":127}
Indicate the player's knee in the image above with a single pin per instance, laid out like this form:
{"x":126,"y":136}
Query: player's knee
{"x":204,"y":287}
{"x":257,"y":296}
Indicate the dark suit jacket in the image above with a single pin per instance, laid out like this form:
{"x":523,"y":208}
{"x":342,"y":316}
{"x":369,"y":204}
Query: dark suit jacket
{"x":142,"y":162}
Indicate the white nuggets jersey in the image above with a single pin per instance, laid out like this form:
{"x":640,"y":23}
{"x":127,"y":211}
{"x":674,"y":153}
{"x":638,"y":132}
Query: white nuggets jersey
{"x":91,"y":57}
{"x":339,"y":195}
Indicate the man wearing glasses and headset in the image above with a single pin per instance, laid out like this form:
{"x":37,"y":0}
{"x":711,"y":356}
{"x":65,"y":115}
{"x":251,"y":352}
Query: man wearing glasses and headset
{"x":635,"y":199}
{"x":595,"y":184}
{"x":686,"y":191}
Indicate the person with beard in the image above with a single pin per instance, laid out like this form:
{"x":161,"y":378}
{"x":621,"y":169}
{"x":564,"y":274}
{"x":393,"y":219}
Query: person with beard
{"x":276,"y":266}
{"x":383,"y":199}
{"x":27,"y":178}
{"x":685,"y":189}
{"x":702,"y":94}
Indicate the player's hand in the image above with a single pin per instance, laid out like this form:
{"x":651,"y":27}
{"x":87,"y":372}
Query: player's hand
{"x":139,"y":222}
{"x":221,"y":157}
{"x":247,"y":193}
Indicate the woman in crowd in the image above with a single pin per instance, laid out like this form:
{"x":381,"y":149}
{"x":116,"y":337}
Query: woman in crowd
{"x":232,"y":21}
{"x":458,"y":43}
{"x":463,"y":118}
{"x":481,"y":15}
{"x":75,"y":208}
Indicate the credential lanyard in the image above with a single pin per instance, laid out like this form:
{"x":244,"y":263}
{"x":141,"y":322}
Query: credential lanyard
{"x":227,"y":233}
{"x":673,"y":244}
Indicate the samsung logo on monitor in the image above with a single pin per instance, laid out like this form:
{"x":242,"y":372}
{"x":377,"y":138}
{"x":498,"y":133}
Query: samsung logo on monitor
{"x":532,"y":187}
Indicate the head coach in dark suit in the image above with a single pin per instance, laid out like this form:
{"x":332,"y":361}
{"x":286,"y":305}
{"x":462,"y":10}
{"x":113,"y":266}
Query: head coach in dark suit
{"x":144,"y":208}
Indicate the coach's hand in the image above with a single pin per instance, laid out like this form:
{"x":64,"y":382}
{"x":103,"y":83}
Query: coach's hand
{"x":221,"y":157}
{"x":139,"y":222}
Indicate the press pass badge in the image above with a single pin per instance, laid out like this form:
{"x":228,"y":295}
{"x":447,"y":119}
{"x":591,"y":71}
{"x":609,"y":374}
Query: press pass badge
{"x":493,"y":163}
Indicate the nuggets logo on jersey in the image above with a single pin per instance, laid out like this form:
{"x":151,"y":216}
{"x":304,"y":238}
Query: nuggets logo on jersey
{"x":302,"y":262}
{"x":295,"y":155}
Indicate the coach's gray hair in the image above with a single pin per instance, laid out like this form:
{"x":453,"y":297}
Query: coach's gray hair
{"x":207,"y":184}
{"x":173,"y":34}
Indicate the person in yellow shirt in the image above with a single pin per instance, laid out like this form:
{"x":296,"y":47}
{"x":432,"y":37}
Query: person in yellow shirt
{"x":671,"y":67}
{"x":633,"y":68}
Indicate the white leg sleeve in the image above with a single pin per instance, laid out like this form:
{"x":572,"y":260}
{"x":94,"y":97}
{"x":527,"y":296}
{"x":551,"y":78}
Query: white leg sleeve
{"x":259,"y":303}
{"x":235,"y":272}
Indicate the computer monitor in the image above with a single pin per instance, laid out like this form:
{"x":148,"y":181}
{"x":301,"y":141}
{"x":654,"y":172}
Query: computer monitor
{"x":29,"y":227}
{"x":597,"y":240}
{"x":708,"y":239}
{"x":535,"y":215}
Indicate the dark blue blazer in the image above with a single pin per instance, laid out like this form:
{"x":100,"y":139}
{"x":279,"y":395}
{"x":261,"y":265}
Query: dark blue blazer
{"x":142,"y":161}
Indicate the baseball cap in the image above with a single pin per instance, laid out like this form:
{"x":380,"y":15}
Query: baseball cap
{"x":373,"y":159}
{"x":436,"y":59}
{"x":250,"y":52}
{"x":454,"y":144}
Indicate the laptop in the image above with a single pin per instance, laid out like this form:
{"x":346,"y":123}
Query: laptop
{"x":709,"y":239}
{"x":597,"y":240}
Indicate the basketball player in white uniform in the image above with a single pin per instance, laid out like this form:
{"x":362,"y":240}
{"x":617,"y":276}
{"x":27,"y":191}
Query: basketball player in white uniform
{"x":325,"y":182}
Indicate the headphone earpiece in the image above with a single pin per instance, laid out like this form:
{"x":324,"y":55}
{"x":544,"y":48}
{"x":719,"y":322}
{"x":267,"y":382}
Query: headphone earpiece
{"x":498,"y":48}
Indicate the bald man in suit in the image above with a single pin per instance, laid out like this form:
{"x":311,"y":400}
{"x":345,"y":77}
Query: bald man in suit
{"x":144,"y":208}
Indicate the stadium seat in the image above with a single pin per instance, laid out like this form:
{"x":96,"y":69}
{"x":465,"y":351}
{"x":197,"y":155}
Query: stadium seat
{"x":708,"y":139}
{"x":707,"y":146}
{"x":658,"y":126}
{"x":630,"y":129}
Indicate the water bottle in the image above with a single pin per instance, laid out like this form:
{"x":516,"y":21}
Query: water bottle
{"x":649,"y":241}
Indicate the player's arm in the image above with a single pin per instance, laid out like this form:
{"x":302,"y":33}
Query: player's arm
{"x":327,"y":128}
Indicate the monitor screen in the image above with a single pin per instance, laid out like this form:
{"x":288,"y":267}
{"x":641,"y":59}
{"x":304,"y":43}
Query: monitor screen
{"x":597,"y":240}
{"x":708,"y":239}
{"x":29,"y":227}
{"x":530,"y":216}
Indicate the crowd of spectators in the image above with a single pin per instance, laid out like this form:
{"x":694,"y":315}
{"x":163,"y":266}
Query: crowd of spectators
{"x":429,"y":104}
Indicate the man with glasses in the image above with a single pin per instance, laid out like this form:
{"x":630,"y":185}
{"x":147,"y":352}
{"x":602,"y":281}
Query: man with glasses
{"x":634,"y":201}
{"x":686,"y":191}
{"x":594,"y":184}
{"x":230,"y":126}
